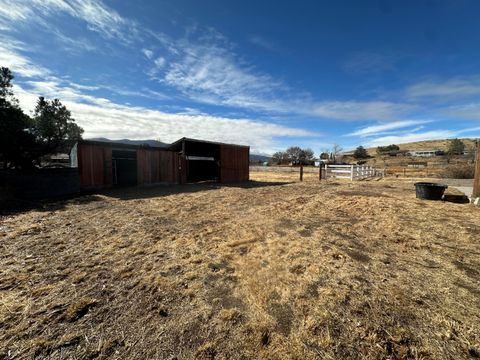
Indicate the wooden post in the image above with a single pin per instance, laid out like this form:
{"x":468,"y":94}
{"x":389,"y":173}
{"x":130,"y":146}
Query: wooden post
{"x":301,"y":172}
{"x":320,"y":171}
{"x":351,"y":172}
{"x":476,"y":182}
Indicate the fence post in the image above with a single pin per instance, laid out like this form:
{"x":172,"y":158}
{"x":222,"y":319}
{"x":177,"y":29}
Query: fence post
{"x":320,"y":171}
{"x":476,"y":182}
{"x":351,"y":172}
{"x":326,"y":171}
{"x":301,"y":172}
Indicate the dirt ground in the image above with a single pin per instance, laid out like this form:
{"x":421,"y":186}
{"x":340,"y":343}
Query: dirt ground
{"x":272,"y":269}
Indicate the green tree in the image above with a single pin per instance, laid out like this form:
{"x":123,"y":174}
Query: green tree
{"x":387,"y":149}
{"x":456,"y":147}
{"x":307,"y":155}
{"x":293,"y":153}
{"x":54,"y":128}
{"x":360,"y":153}
{"x":16,"y":139}
{"x":24,"y":140}
{"x":298,"y":155}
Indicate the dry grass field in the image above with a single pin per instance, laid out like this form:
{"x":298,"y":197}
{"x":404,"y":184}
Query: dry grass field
{"x":273,"y":269}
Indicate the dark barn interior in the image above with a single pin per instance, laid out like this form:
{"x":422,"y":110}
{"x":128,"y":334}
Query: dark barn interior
{"x":124,"y":167}
{"x":202,"y":159}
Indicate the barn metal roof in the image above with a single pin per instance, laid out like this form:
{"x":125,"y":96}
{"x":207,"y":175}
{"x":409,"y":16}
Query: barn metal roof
{"x":178,"y":144}
{"x":175,"y":146}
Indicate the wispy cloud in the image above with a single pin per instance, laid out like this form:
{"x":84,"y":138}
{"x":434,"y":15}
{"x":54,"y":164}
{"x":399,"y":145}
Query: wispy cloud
{"x":160,"y":62}
{"x":102,"y":117}
{"x":98,"y":17}
{"x":202,"y":66}
{"x":375,"y":130}
{"x":263,"y":43}
{"x":412,"y":137}
{"x":148,"y":53}
{"x":361,"y":110}
{"x":206,"y":70}
{"x":451,"y":89}
{"x":415,"y":136}
{"x":11,"y":57}
{"x":122,"y":121}
{"x":369,"y":62}
{"x":470,"y":111}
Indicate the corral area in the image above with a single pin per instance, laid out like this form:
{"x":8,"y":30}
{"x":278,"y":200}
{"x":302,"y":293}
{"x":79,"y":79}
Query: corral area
{"x":271,"y":269}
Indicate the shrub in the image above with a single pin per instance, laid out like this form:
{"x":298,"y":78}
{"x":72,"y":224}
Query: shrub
{"x":465,"y":171}
{"x":360,"y":153}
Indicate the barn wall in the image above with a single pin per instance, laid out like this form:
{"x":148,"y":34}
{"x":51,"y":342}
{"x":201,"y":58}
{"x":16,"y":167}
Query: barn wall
{"x":94,"y":165}
{"x":157,"y":166}
{"x":234,"y":163}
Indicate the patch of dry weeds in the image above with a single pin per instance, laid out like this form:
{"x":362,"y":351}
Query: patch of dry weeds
{"x":331,"y":270}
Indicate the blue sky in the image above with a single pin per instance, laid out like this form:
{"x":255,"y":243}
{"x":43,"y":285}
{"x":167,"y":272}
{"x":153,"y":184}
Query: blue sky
{"x":269,"y":74}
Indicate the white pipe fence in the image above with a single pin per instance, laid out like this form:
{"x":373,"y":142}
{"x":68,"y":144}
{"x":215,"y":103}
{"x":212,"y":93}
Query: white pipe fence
{"x":351,"y":172}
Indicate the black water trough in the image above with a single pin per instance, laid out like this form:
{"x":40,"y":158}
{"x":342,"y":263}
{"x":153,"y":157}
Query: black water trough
{"x":430,"y":191}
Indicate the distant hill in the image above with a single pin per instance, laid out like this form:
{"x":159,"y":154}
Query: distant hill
{"x":261,"y":158}
{"x":428,"y":145}
{"x":152,"y":143}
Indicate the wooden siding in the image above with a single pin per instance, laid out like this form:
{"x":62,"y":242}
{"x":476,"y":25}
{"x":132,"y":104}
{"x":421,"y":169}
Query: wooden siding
{"x":157,"y":166}
{"x":94,"y":165}
{"x":234,"y":163}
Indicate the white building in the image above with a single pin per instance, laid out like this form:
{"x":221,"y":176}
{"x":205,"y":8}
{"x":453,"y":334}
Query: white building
{"x":425,"y":153}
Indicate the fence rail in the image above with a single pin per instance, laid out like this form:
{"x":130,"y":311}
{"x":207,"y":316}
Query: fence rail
{"x":352,"y":172}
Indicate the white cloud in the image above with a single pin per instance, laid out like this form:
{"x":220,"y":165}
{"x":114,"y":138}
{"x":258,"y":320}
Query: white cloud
{"x":148,"y":53}
{"x":374,"y":130}
{"x":160,"y":62}
{"x":412,"y":137}
{"x":98,"y":17}
{"x":454,"y":88}
{"x":203,"y":66}
{"x":358,"y":110}
{"x":102,"y":118}
{"x":423,"y":136}
{"x":209,"y":72}
{"x":10,"y":57}
{"x":469,"y":111}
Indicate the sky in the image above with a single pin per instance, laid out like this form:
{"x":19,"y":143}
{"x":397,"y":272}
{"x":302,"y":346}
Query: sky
{"x":268,"y":74}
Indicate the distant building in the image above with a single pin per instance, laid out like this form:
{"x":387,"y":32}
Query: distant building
{"x":425,"y":153}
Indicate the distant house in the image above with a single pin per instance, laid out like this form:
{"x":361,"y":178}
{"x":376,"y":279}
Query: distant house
{"x":425,"y":153}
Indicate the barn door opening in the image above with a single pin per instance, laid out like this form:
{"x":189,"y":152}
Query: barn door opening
{"x":202,"y":161}
{"x":202,"y":168}
{"x":124,"y":167}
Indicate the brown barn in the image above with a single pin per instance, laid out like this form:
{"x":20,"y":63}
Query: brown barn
{"x":105,"y":164}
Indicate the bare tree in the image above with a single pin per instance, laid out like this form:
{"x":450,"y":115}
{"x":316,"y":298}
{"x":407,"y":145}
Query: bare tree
{"x":336,"y":150}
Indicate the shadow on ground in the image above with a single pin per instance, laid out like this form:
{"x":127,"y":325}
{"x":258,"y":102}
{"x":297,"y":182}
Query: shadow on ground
{"x":13,"y":206}
{"x":9,"y":207}
{"x":145,"y":192}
